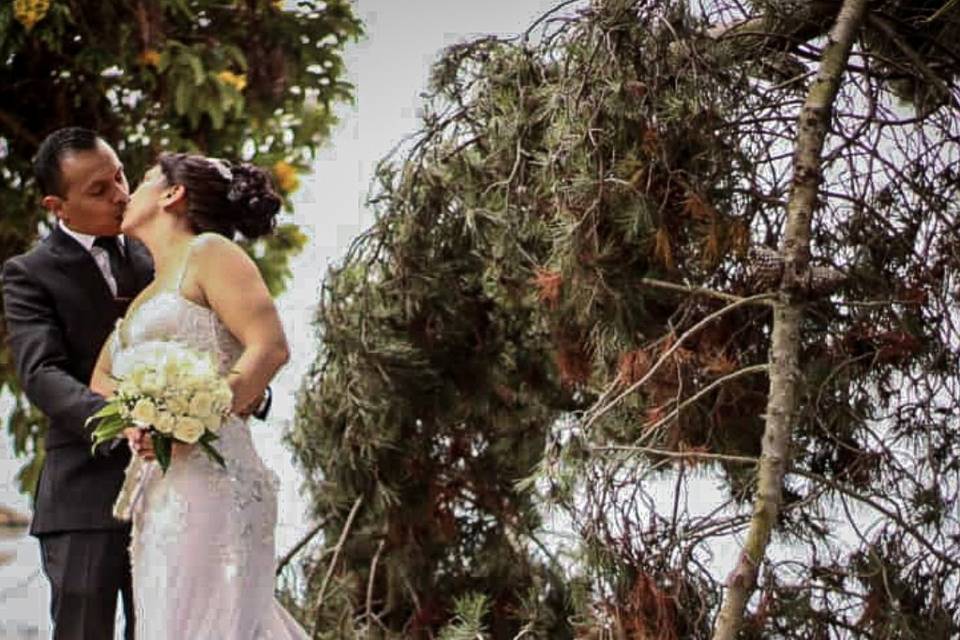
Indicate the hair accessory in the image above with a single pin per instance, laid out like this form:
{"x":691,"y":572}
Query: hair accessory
{"x":222,"y":168}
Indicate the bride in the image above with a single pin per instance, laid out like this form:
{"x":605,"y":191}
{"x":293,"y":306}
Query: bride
{"x":203,"y":536}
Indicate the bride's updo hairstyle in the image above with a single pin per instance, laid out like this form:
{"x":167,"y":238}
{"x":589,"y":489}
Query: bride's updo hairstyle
{"x":223,"y":197}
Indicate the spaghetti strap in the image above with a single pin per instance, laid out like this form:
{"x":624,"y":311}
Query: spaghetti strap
{"x":186,"y":263}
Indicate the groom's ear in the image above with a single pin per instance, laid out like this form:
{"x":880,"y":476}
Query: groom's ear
{"x":53,"y":204}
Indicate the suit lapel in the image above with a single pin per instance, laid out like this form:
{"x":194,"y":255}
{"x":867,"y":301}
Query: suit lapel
{"x":74,"y":260}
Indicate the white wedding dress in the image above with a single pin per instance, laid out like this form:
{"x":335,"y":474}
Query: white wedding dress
{"x":203,"y":536}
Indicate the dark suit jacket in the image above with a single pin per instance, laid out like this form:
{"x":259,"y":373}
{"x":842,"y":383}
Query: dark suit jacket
{"x":59,"y":311}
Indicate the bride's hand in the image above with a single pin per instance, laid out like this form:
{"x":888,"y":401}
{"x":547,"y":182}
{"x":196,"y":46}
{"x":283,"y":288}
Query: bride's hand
{"x":251,"y":406}
{"x":180,"y":449}
{"x":140,"y":442}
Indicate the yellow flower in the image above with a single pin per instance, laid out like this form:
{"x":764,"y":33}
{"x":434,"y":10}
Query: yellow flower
{"x":144,"y":411}
{"x":150,"y":57}
{"x":287,"y":178}
{"x":237,"y":81}
{"x":188,"y":430}
{"x":30,"y":12}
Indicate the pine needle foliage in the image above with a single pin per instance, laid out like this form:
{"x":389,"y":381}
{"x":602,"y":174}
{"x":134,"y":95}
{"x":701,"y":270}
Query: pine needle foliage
{"x":558,"y":305}
{"x":468,"y":620}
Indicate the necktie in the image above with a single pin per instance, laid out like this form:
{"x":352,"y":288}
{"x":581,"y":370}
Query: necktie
{"x":122,"y":274}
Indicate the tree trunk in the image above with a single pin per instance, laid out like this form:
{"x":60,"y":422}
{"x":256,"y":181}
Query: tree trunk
{"x":788,"y":312}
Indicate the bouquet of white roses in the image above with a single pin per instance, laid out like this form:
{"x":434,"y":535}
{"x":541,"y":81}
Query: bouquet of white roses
{"x":171,"y":390}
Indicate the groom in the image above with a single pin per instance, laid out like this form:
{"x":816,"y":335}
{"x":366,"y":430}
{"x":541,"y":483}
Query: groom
{"x":61,"y":301}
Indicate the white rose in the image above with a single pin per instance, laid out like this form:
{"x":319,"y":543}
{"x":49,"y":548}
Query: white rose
{"x":201,"y":405}
{"x":136,"y":378}
{"x":213,"y":422}
{"x":191,"y":383}
{"x":177,"y":404}
{"x":153,"y":383}
{"x":164,"y":422}
{"x":144,"y":411}
{"x":126,"y":388}
{"x":188,"y":430}
{"x":223,"y":396}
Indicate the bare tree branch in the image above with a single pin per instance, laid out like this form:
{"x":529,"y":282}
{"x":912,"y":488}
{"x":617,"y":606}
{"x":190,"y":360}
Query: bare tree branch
{"x":781,"y":414}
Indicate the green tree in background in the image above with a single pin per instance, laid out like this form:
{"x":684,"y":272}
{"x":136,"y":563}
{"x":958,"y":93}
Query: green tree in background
{"x":252,"y":80}
{"x":651,"y":241}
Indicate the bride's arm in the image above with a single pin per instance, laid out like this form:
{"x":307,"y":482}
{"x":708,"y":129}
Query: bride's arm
{"x":102,"y":382}
{"x":232,"y":286}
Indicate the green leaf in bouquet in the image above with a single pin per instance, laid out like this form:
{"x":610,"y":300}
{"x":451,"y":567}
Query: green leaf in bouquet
{"x":109,"y":409}
{"x":110,"y":426}
{"x":162,"y":446}
{"x":206,"y":441}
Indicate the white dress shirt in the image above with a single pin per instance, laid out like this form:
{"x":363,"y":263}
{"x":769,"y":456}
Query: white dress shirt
{"x":100,"y":256}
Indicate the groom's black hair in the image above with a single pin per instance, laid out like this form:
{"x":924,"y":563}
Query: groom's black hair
{"x":46,"y":163}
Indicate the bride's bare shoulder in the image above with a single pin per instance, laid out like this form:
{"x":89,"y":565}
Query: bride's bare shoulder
{"x":209,"y":246}
{"x":211,"y":241}
{"x":216,"y":254}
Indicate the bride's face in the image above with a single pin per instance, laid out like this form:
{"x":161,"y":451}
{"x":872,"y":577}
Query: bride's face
{"x":144,"y":203}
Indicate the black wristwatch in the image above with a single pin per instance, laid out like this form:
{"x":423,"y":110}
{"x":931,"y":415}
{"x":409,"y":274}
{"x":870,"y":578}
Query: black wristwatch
{"x":260,"y":413}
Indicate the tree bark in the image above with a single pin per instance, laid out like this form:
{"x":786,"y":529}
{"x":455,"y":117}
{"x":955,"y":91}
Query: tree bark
{"x":785,"y":373}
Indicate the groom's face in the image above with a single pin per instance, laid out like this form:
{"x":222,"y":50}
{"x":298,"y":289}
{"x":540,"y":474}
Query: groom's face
{"x":95,"y":191}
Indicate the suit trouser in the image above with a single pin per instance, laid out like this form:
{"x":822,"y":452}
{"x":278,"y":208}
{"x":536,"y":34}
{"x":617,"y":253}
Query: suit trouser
{"x":86,"y":570}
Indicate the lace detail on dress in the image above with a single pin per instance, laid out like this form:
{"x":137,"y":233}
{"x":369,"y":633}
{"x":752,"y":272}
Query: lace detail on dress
{"x":170,"y":316}
{"x":203,"y":536}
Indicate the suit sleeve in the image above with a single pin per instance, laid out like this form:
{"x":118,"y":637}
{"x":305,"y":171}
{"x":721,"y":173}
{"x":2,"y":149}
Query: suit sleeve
{"x":40,"y":353}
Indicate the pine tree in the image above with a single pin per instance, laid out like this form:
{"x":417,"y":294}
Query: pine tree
{"x":643,"y":242}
